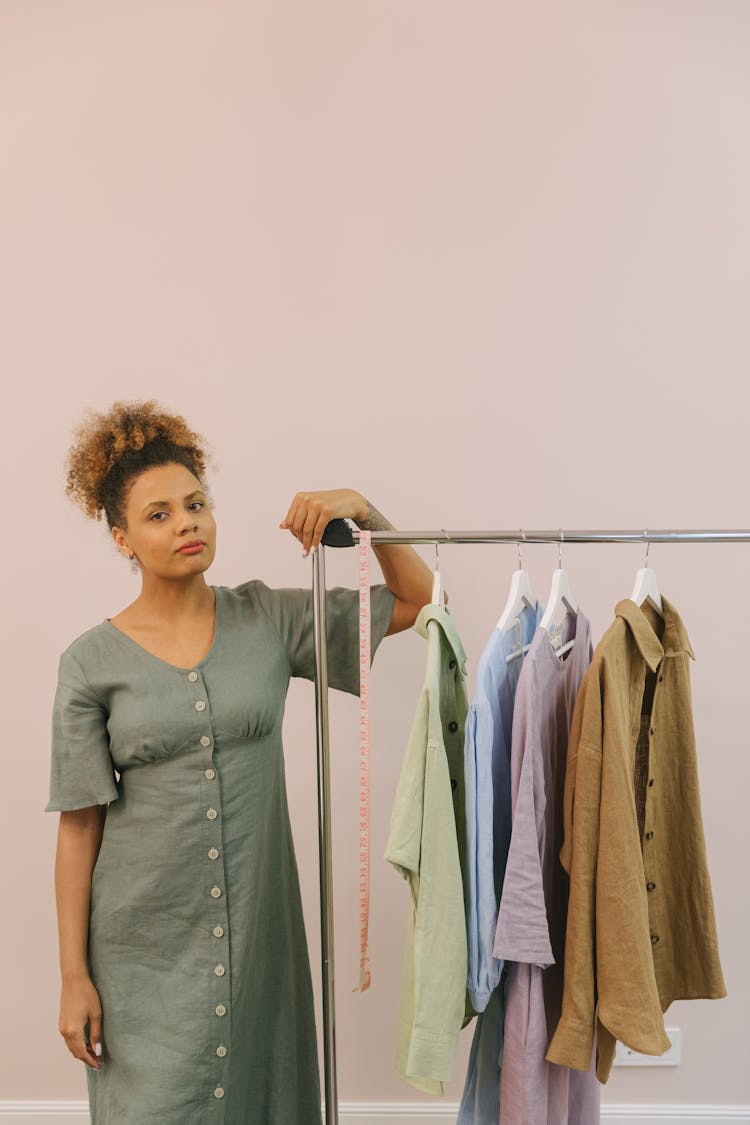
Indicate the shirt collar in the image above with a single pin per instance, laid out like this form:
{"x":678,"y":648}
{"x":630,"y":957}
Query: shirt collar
{"x":439,"y":613}
{"x":674,"y":640}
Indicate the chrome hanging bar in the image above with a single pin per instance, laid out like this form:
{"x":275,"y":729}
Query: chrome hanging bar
{"x":338,"y":536}
{"x":324,"y":838}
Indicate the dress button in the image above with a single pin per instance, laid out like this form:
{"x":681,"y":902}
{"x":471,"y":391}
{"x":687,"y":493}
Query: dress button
{"x":661,"y":677}
{"x":654,"y":939}
{"x":200,"y":705}
{"x":211,"y":814}
{"x":653,"y":730}
{"x":649,"y":835}
{"x":213,"y":853}
{"x":210,"y":774}
{"x":650,"y":782}
{"x":451,"y":664}
{"x":650,"y":886}
{"x":192,"y":676}
{"x":220,"y":1010}
{"x":221,"y":1050}
{"x":219,"y":1092}
{"x":453,"y":726}
{"x":220,"y":970}
{"x":218,"y":931}
{"x":205,"y":740}
{"x":215,"y":892}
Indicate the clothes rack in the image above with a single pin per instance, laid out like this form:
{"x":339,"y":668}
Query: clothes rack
{"x":340,"y":534}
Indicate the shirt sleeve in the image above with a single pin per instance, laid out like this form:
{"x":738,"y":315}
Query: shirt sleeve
{"x":291,"y":611}
{"x":522,"y":930}
{"x":81,"y":771}
{"x":481,"y":903}
{"x":573,"y":1041}
{"x":423,"y":848}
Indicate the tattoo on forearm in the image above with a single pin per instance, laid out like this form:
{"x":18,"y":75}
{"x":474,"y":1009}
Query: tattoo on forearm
{"x":374,"y":521}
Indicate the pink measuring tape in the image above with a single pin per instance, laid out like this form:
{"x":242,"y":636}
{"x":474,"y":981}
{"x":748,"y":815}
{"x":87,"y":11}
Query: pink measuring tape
{"x":364,"y":761}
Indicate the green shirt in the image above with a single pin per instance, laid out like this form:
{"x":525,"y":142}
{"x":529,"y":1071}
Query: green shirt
{"x":426,"y":845}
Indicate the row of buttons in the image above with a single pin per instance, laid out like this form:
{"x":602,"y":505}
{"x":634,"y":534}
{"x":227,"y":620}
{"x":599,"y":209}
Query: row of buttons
{"x":216,"y":892}
{"x":651,"y":886}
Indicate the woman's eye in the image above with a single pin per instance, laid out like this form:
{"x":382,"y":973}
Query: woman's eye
{"x":196,"y":504}
{"x":155,"y":514}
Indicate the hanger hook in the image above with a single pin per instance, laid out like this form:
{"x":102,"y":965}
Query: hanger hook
{"x":648,"y":545}
{"x":559,"y":549}
{"x":518,"y":545}
{"x":437,"y":556}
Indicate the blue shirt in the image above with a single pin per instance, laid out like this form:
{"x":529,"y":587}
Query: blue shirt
{"x":489,"y":725}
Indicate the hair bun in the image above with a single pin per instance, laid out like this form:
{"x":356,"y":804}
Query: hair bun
{"x":104,"y":456}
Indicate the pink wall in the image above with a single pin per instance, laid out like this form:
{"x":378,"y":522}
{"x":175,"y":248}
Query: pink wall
{"x":487,"y":263}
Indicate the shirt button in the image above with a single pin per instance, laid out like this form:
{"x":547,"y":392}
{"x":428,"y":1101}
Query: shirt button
{"x":451,"y":664}
{"x":650,"y":782}
{"x":453,"y":726}
{"x":205,"y":740}
{"x":649,"y":835}
{"x":220,"y":1010}
{"x":192,"y":676}
{"x":653,"y":730}
{"x":220,"y":970}
{"x":211,"y":814}
{"x":218,"y":931}
{"x":213,"y":853}
{"x":650,"y":886}
{"x":210,"y":774}
{"x":200,"y":705}
{"x":221,"y":1050}
{"x":654,"y":939}
{"x":215,"y":892}
{"x":661,"y":677}
{"x":219,"y":1092}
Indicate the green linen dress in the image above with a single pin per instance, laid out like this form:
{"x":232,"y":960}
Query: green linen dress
{"x":196,"y":936}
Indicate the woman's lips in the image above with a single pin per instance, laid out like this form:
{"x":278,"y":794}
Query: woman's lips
{"x":191,"y":548}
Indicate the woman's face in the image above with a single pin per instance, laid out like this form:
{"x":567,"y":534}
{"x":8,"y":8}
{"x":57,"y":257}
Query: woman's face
{"x":170,"y":526}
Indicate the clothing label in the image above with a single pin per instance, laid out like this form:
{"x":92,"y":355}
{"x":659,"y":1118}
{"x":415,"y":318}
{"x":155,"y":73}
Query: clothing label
{"x":364,"y":761}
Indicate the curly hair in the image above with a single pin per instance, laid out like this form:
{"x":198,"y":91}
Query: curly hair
{"x":112,"y":449}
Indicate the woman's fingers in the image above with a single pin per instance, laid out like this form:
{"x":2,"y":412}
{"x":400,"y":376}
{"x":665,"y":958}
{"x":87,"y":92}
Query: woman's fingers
{"x":95,"y":1034}
{"x":317,"y":517}
{"x":307,"y":519}
{"x":78,"y":1047}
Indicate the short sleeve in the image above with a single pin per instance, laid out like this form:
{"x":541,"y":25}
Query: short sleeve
{"x":291,"y":611}
{"x":81,"y":771}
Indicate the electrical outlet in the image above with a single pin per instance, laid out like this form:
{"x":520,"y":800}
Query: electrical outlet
{"x":626,"y":1056}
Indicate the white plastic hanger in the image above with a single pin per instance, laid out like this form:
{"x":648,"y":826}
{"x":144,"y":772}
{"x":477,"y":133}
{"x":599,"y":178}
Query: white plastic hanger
{"x":560,"y":595}
{"x":646,"y":588}
{"x":520,"y":595}
{"x":438,"y":593}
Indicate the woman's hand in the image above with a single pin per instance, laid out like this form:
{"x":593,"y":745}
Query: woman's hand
{"x":80,"y":1002}
{"x":310,"y":513}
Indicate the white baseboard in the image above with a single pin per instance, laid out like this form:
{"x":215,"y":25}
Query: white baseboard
{"x":409,"y":1113}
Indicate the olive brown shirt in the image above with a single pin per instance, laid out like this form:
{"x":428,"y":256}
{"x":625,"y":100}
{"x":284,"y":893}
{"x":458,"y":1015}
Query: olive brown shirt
{"x":641,"y":930}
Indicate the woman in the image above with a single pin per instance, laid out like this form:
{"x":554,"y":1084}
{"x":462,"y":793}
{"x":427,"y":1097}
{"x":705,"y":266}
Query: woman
{"x":185,"y":977}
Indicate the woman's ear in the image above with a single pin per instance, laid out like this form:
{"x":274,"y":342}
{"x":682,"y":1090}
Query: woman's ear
{"x":121,"y":542}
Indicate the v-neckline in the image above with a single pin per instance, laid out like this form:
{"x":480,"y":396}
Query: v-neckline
{"x":166,"y":663}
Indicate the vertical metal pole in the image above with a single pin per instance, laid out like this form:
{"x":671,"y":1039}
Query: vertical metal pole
{"x":324,"y":835}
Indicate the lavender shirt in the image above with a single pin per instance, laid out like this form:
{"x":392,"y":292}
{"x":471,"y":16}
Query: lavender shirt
{"x":533,"y":907}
